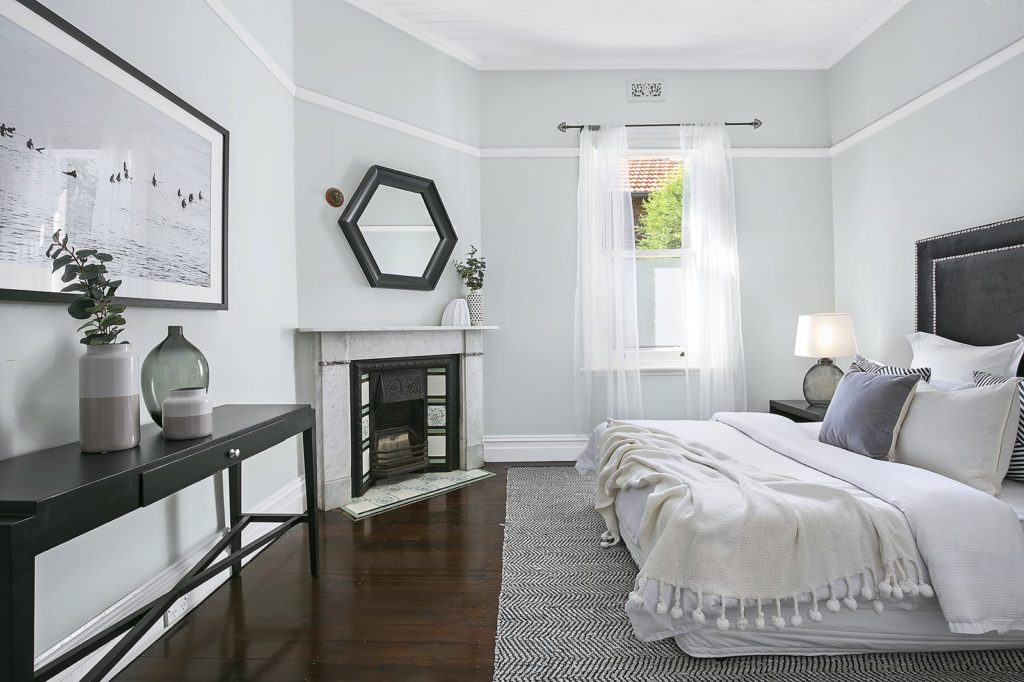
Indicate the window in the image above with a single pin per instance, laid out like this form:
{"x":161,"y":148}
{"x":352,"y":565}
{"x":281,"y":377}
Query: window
{"x":657,"y":187}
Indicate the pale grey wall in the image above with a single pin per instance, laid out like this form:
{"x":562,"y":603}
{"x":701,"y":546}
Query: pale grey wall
{"x":954,"y":164}
{"x":271,"y":23}
{"x":529,"y":222}
{"x":522,"y":108}
{"x":187,"y":48}
{"x":349,"y":55}
{"x":924,"y":44}
{"x":346,"y":53}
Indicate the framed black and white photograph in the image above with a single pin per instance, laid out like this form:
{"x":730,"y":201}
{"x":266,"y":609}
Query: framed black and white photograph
{"x":94,"y":148}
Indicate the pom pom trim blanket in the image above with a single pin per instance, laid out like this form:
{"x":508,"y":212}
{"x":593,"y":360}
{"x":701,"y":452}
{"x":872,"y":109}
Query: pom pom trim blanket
{"x":708,"y":514}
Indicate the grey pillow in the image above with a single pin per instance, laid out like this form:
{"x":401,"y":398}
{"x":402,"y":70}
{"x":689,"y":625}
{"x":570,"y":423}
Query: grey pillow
{"x":867,"y":411}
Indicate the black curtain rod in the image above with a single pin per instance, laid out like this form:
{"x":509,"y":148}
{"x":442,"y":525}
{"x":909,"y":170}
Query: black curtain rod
{"x":755,"y":124}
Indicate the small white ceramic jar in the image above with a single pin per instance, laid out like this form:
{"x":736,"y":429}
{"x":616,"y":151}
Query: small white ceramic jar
{"x":187,"y":413}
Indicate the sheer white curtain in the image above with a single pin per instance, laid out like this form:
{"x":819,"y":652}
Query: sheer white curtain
{"x":716,"y":375}
{"x":606,"y":338}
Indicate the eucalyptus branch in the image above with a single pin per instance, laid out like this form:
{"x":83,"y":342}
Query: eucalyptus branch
{"x":472,"y":270}
{"x":95,"y":301}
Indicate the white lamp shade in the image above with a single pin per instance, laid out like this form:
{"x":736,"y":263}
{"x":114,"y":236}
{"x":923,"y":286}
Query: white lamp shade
{"x":825,"y":335}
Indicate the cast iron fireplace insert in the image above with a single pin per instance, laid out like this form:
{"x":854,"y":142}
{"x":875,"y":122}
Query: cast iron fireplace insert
{"x":405,"y":418}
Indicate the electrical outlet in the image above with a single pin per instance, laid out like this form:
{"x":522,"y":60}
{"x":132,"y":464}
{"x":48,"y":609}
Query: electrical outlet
{"x":178,"y":609}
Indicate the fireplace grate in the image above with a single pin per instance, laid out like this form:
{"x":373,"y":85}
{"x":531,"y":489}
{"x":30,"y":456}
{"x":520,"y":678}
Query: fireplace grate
{"x":397,"y":452}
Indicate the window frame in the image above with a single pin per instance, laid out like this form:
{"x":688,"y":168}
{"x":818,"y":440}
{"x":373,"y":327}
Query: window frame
{"x":663,"y":359}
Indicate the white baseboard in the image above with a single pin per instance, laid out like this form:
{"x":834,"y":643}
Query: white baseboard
{"x":290,"y":499}
{"x":542,"y":448}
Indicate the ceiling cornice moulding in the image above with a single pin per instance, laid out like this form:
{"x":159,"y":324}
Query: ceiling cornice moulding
{"x":864,"y":32}
{"x":1006,"y":54}
{"x":754,"y":63}
{"x":395,"y":19}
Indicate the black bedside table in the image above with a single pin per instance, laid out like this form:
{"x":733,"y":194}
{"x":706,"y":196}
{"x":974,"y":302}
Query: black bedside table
{"x":797,"y":410}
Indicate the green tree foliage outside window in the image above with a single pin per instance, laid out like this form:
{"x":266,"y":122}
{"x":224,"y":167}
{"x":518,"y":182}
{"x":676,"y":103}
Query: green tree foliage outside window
{"x":661,"y":223}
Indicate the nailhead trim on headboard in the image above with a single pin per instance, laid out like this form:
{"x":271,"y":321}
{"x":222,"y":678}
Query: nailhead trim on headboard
{"x":917,"y":274}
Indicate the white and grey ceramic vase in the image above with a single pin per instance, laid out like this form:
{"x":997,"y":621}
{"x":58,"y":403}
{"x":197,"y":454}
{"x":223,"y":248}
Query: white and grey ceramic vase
{"x":475,"y":301}
{"x":187,"y":413}
{"x":108,"y":398}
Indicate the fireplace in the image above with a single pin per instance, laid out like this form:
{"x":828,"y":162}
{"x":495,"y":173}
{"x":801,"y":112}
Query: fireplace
{"x":338,"y":357}
{"x":405,"y":417}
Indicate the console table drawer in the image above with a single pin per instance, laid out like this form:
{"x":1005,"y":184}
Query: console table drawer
{"x":166,"y":479}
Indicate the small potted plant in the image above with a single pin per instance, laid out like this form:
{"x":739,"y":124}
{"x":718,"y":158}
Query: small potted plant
{"x":108,"y":402}
{"x":472,"y":273}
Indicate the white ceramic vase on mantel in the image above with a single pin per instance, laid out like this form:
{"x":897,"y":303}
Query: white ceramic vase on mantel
{"x":475,"y":301}
{"x":456,"y":314}
{"x":108,"y":398}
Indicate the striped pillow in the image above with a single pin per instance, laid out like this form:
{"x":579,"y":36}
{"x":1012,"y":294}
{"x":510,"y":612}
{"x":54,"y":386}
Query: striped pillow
{"x":1016,"y":471}
{"x":862,"y":364}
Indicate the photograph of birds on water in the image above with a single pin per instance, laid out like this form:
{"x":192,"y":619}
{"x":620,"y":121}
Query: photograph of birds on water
{"x":82,"y":154}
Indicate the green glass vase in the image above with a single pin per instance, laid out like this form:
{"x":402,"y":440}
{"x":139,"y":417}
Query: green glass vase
{"x":174,"y":363}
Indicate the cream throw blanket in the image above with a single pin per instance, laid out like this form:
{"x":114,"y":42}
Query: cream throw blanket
{"x":737,"y":535}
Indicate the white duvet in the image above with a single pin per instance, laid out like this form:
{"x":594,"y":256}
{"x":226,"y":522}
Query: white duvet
{"x":971,"y":543}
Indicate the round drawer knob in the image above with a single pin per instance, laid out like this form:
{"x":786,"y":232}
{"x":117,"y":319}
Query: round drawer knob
{"x":234,"y":453}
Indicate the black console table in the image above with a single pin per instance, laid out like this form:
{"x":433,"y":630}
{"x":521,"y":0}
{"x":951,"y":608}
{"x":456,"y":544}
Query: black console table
{"x":51,"y":496}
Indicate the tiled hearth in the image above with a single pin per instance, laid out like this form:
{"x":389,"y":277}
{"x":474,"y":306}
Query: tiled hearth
{"x":342,"y":360}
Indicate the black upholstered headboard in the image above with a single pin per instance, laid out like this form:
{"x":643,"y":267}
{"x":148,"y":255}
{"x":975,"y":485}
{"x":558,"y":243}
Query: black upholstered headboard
{"x":970,"y":284}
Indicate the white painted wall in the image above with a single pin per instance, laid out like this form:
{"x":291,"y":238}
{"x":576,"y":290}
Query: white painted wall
{"x":529,"y":218}
{"x":349,"y":55}
{"x":955,"y":163}
{"x":184,"y":46}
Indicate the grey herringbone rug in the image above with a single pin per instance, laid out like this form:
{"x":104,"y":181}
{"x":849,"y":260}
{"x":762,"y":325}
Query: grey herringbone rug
{"x":560,"y":614}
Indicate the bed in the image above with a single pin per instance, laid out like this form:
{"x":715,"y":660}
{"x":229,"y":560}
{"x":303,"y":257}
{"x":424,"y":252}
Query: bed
{"x":970,"y":288}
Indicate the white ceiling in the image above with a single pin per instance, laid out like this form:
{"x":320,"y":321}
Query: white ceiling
{"x":602,"y":34}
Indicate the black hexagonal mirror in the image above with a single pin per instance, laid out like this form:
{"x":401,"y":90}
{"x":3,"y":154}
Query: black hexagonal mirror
{"x":399,"y":230}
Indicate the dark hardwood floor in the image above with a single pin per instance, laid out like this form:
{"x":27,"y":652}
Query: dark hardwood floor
{"x":408,"y":595}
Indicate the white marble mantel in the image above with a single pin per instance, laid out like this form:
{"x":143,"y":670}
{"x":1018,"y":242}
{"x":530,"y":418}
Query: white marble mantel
{"x":335,"y":347}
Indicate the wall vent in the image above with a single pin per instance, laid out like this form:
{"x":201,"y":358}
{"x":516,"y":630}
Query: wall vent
{"x":646,"y":91}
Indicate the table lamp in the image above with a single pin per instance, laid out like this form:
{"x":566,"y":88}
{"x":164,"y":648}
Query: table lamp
{"x":824,"y":336}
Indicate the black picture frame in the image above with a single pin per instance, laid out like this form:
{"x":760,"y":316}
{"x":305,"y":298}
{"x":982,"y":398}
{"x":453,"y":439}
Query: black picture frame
{"x":38,"y":296}
{"x":378,"y":176}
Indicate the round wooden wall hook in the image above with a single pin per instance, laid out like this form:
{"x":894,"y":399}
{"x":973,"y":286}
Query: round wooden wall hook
{"x":335,"y":197}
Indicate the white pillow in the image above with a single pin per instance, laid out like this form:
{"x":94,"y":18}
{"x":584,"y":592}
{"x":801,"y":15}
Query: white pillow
{"x":966,"y":435}
{"x":951,"y":385}
{"x":953,"y":361}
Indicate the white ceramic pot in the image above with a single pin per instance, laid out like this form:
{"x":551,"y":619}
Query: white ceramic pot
{"x":456,"y":314}
{"x":108,"y":398}
{"x":187,"y":413}
{"x":475,"y":301}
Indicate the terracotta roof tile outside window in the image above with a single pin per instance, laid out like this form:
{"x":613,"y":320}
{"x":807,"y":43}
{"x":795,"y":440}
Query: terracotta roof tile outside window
{"x":647,"y":175}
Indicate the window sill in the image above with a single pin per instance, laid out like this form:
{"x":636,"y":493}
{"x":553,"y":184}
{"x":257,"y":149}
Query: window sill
{"x":664,"y":370}
{"x":656,"y":370}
